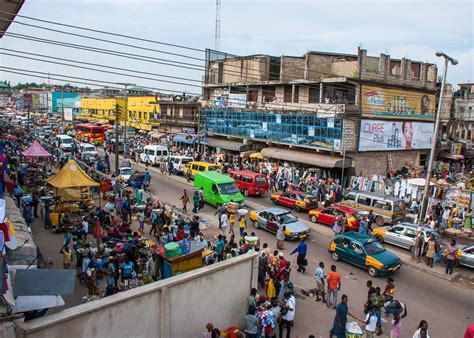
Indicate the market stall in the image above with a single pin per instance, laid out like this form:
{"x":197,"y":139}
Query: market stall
{"x":71,"y":187}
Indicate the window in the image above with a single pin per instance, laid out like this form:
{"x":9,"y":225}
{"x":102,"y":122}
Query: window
{"x":364,"y":200}
{"x":287,"y":91}
{"x":145,"y":115}
{"x":194,"y":167}
{"x":202,"y":168}
{"x":264,"y":215}
{"x":313,"y":95}
{"x":238,"y":177}
{"x":214,"y":189}
{"x":410,"y":233}
{"x":139,"y":114}
{"x":384,"y":205}
{"x":247,"y":179}
{"x":253,"y":95}
{"x":268,"y":94}
{"x":397,"y":229}
{"x":350,"y":197}
{"x":415,"y":70}
{"x":220,"y":72}
{"x":358,"y":248}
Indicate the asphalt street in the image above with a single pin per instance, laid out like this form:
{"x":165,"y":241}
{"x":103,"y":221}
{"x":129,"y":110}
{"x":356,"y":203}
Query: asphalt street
{"x":447,"y":306}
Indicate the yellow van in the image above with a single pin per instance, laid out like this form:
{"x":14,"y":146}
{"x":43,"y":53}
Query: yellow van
{"x":386,"y":209}
{"x":195,"y":167}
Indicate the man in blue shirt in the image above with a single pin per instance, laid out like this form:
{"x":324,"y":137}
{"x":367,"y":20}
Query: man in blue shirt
{"x":301,"y":250}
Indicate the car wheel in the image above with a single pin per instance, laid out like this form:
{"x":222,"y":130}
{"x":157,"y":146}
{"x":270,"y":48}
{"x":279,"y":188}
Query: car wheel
{"x":335,"y":256}
{"x":379,"y":238}
{"x":256,"y":224}
{"x":379,"y":221}
{"x":246,"y":192}
{"x":274,"y":201}
{"x":314,"y":219}
{"x":372,"y":271}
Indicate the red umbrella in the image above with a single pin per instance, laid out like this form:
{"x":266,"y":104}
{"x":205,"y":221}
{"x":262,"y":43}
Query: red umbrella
{"x":12,"y":137}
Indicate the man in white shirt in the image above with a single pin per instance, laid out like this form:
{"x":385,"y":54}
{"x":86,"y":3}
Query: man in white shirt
{"x":85,"y":227}
{"x":288,"y":314}
{"x":224,"y":222}
{"x":320,"y":276}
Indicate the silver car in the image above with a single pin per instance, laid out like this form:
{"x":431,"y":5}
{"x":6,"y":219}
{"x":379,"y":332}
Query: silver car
{"x":403,"y":234}
{"x":467,"y":256}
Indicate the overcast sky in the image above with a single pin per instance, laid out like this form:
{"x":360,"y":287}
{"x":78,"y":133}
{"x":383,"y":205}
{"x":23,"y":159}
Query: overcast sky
{"x":412,"y":29}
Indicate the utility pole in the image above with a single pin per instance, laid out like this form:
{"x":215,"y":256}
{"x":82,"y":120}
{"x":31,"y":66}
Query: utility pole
{"x":126,"y":84}
{"x":434,"y":138}
{"x":62,"y":106}
{"x":117,"y":115}
{"x":217,"y":34}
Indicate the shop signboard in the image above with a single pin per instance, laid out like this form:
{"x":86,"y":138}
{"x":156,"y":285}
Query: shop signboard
{"x":229,"y":100}
{"x":378,"y":135}
{"x":456,"y":148}
{"x":398,"y":103}
{"x":458,"y":197}
{"x":264,"y":126}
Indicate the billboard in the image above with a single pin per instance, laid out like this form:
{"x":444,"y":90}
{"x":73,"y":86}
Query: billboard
{"x":394,"y":135}
{"x":379,"y":101}
{"x":229,"y":100}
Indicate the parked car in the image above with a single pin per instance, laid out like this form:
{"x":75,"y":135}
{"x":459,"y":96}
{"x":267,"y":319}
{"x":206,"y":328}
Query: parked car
{"x":328,"y":216}
{"x":364,"y":252}
{"x":125,"y":173}
{"x":297,"y":200}
{"x":403,"y":234}
{"x":270,"y":218}
{"x":466,"y":256}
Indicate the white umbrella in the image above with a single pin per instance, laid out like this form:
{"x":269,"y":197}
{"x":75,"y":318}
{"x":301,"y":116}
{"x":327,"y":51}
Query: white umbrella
{"x":418,"y":181}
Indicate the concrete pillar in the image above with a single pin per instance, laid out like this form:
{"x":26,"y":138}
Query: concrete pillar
{"x":282,"y":61}
{"x":321,"y":93}
{"x":292,"y":92}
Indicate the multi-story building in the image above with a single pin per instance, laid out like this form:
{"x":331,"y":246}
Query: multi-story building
{"x":178,"y":116}
{"x":462,"y":124}
{"x":141,"y":111}
{"x":332,"y":110}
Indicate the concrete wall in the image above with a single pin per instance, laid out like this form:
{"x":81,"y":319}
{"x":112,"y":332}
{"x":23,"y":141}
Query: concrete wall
{"x":376,"y":163}
{"x":176,"y":307}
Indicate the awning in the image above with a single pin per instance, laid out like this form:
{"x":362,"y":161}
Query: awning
{"x":183,"y":138}
{"x":297,"y":156}
{"x":154,"y":134}
{"x":226,"y":144}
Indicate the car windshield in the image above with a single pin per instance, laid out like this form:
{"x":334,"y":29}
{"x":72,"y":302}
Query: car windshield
{"x":260,"y":180}
{"x":373,"y":247}
{"x":89,"y":149}
{"x":212,"y":168}
{"x":286,"y":218}
{"x":67,"y":140}
{"x":126,"y":171}
{"x":228,"y":188}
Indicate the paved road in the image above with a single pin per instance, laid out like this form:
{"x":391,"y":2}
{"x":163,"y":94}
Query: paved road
{"x":446,"y":306}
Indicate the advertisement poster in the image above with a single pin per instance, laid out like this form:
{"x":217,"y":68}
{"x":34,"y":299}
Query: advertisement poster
{"x":378,"y":101}
{"x":229,"y":100}
{"x":378,"y":135}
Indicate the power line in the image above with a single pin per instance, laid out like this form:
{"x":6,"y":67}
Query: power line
{"x":100,"y":70}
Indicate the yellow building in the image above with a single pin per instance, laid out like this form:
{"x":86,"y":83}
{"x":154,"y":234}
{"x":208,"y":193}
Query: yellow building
{"x":140,"y":110}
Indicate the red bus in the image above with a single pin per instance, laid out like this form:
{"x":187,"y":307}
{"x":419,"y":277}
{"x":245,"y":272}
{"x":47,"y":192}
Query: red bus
{"x":90,"y":133}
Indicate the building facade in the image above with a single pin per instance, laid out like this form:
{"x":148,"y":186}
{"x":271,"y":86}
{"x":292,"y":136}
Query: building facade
{"x":139,"y":112}
{"x":178,"y":116}
{"x":371,"y":114}
{"x":462,"y":124}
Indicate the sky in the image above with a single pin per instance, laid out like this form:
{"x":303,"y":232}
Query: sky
{"x":411,"y":29}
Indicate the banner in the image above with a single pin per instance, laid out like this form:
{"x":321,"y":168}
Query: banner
{"x":399,"y":103}
{"x":394,"y":135}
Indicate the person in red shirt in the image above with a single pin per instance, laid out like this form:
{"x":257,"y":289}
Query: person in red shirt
{"x":180,"y":234}
{"x":469,"y":331}
{"x":334,"y":285}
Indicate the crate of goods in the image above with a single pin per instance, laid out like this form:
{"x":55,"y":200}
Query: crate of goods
{"x":172,"y":249}
{"x":232,"y":207}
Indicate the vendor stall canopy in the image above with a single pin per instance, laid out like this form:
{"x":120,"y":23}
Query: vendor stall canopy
{"x":71,"y":176}
{"x":36,"y":150}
